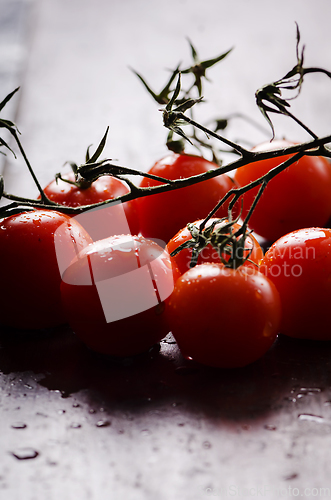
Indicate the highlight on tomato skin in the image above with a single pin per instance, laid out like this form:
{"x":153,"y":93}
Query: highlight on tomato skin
{"x":31,"y":255}
{"x":210,"y":254}
{"x":299,"y":265}
{"x":163,"y":215}
{"x":114,"y":294}
{"x":296,"y":198}
{"x":222,"y":317}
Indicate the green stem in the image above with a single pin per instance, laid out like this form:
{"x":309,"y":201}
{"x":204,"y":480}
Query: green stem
{"x":312,"y":148}
{"x":244,"y":152}
{"x":92,"y":173}
{"x":299,"y":122}
{"x":41,"y":191}
{"x":238,"y":192}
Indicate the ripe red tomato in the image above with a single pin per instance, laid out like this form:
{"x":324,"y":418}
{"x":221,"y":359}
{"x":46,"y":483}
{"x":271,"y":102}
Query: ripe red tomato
{"x":104,"y":188}
{"x":298,"y":197}
{"x":223,"y":317}
{"x":210,"y":254}
{"x":114,"y":294}
{"x":163,"y":215}
{"x":34,"y":248}
{"x":299,"y":265}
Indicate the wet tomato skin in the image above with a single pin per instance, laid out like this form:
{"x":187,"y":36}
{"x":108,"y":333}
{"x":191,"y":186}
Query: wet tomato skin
{"x":209,"y":253}
{"x":112,"y":263}
{"x":203,"y":315}
{"x":30,"y":274}
{"x":104,"y":188}
{"x":296,"y":198}
{"x":299,"y":265}
{"x":163,"y":215}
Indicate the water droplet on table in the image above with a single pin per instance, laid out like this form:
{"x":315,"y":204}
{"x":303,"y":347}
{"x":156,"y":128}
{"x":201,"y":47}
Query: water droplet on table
{"x":103,"y":423}
{"x":290,"y":477}
{"x":25,"y":453}
{"x":311,"y":418}
{"x":75,"y":425}
{"x":270,"y":427}
{"x":310,"y":389}
{"x":18,"y":425}
{"x":206,"y":445}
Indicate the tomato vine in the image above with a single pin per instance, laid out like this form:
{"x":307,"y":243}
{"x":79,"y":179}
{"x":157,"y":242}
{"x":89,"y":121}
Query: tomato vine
{"x":178,"y":102}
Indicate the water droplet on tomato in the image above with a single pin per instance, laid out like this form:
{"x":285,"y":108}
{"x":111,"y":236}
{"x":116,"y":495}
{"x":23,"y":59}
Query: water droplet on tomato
{"x":268,"y":330}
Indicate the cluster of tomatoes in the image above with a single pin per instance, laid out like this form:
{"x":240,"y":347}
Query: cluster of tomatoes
{"x":116,"y":274}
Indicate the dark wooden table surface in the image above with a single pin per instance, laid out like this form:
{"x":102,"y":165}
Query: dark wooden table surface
{"x":75,"y":425}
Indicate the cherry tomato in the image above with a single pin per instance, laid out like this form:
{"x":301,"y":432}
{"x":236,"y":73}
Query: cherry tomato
{"x":222,"y":317}
{"x":104,"y":188}
{"x":114,"y":294}
{"x":34,"y":248}
{"x":296,"y":198}
{"x":299,"y":264}
{"x":210,"y":254}
{"x":163,"y":215}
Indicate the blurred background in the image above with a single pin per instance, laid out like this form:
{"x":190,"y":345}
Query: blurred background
{"x":73,"y":59}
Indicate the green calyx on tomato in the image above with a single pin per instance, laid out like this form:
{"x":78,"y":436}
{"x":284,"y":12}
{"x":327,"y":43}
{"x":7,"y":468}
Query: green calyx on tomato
{"x":79,"y":181}
{"x":74,"y":190}
{"x":227,"y":237}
